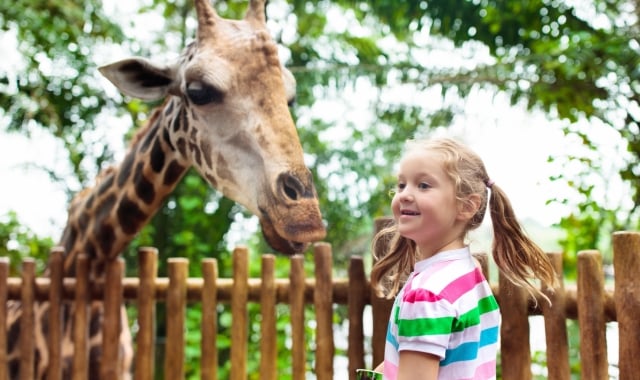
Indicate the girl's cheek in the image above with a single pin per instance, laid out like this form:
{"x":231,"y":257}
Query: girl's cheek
{"x":395,"y":206}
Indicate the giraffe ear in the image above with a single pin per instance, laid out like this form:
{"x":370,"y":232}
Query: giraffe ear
{"x":289,"y":84}
{"x":140,"y":78}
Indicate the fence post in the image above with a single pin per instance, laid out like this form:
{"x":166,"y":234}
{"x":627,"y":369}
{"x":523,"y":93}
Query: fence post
{"x":145,"y":338}
{"x":81,"y":319}
{"x":4,"y":296}
{"x":268,"y":339}
{"x":27,"y":325}
{"x":111,"y":360}
{"x":555,"y":325}
{"x":323,"y":302}
{"x":239,"y":324}
{"x":515,"y":349}
{"x":176,"y":305}
{"x":626,"y":263}
{"x":209,"y":343}
{"x":356,"y":301}
{"x":591,"y":319}
{"x":54,"y":372}
{"x":296,"y":299}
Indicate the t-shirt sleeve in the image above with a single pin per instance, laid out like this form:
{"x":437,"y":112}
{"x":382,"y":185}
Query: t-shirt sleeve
{"x":425,"y":322}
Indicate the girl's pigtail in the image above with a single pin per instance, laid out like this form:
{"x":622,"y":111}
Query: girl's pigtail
{"x":517,"y":256}
{"x":395,"y":258}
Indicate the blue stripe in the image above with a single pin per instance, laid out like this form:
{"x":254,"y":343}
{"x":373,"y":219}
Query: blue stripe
{"x":392,"y":339}
{"x":465,"y":351}
{"x":489,"y":336}
{"x":469,"y":351}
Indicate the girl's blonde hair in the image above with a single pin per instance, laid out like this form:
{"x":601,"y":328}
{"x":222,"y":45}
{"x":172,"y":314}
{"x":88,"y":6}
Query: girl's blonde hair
{"x":517,"y":256}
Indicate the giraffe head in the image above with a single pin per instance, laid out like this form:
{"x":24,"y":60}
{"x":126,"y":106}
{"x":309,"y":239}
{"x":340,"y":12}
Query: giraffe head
{"x":229,"y":118}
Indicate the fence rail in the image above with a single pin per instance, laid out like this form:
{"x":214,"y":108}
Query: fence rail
{"x":589,"y":302}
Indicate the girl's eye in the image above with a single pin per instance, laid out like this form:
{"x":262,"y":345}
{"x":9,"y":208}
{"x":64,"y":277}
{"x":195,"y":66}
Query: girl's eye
{"x":423,"y":186}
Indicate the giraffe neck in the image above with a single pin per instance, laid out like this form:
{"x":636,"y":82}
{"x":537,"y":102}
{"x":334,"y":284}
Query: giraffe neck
{"x":104,"y":219}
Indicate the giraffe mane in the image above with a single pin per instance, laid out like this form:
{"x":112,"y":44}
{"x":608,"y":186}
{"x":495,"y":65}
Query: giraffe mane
{"x":142,"y":131}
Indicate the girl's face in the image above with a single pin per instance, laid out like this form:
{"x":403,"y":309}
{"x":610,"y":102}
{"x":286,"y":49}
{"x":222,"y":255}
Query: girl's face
{"x":424,"y":206}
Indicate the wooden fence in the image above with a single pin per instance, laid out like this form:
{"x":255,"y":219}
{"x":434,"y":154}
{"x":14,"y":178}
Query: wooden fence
{"x":589,"y":302}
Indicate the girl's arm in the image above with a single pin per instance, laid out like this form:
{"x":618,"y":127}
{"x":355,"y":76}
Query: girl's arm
{"x":416,"y":365}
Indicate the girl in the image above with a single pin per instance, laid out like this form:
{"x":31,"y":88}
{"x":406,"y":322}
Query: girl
{"x":445,"y":321}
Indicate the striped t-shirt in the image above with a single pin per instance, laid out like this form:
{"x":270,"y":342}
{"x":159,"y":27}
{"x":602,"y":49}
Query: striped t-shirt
{"x":446,"y":308}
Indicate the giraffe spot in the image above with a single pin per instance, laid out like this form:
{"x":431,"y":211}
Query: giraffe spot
{"x":157,"y":157}
{"x":176,"y":121}
{"x":206,"y":153}
{"x":95,"y":325}
{"x":167,"y":139}
{"x":90,"y":201}
{"x":184,"y":119}
{"x":14,"y":368}
{"x":83,"y":220}
{"x":71,"y":239}
{"x":182,"y":147}
{"x":67,"y":367}
{"x":106,"y":237}
{"x":95,"y":356}
{"x":13,"y":334}
{"x":90,"y":250}
{"x":105,"y":185}
{"x":173,"y":173}
{"x":144,"y":188}
{"x":130,"y":216}
{"x":44,"y":324}
{"x":212,"y":180}
{"x":125,"y":170}
{"x":223,"y":168}
{"x":169,"y":109}
{"x":104,"y":208}
{"x":196,"y":153}
{"x":151,"y":134}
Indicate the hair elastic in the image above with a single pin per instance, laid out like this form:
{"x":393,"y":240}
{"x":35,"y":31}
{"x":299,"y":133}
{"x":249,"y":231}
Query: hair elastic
{"x":489,"y":183}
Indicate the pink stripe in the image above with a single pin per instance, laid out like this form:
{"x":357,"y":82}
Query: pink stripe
{"x":420,"y":295}
{"x":390,"y":370}
{"x":485,"y":371}
{"x":462,"y":285}
{"x":451,"y":293}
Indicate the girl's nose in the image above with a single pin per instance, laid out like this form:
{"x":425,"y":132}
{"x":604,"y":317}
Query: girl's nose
{"x":405,"y":196}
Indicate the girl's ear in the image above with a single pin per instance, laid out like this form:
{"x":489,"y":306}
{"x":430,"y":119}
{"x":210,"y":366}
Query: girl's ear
{"x":469,"y":207}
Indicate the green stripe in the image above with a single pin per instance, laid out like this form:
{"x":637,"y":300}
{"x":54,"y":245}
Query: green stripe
{"x":445,"y":325}
{"x":425,"y":326}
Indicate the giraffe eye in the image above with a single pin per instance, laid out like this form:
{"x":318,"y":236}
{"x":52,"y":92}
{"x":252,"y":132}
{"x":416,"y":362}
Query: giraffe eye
{"x":201,"y":94}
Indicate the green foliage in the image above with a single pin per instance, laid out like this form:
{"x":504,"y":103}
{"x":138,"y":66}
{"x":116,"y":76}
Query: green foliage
{"x":55,"y":88}
{"x":18,"y":242}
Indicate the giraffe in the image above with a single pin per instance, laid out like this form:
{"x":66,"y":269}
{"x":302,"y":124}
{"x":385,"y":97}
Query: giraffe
{"x":225,"y":114}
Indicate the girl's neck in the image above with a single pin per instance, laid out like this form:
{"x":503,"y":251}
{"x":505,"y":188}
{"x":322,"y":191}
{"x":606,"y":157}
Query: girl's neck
{"x":426,"y":250}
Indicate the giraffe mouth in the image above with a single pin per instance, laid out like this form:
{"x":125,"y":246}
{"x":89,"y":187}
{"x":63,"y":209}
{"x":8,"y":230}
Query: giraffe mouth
{"x":279,"y":243}
{"x":288,"y":236}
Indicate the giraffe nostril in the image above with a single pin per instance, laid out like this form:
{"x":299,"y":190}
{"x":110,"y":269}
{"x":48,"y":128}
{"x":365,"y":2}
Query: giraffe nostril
{"x":291,"y":186}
